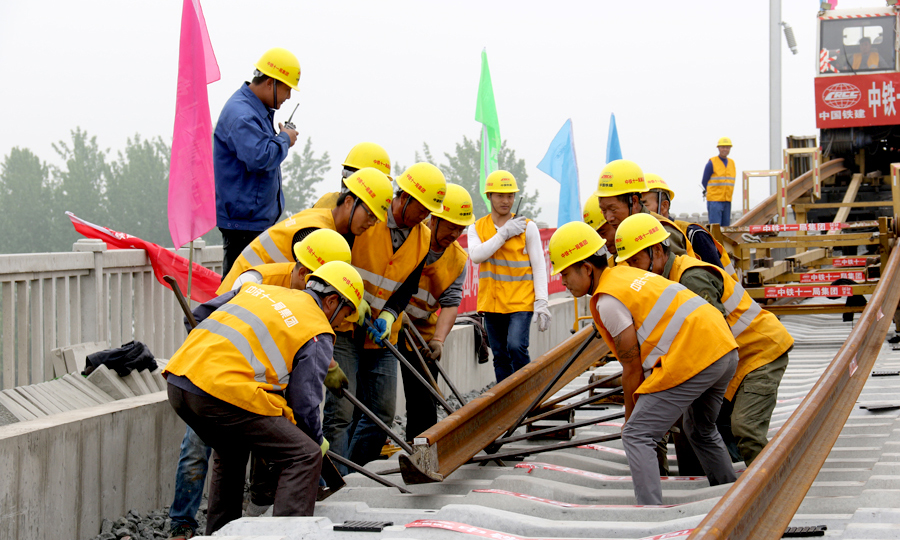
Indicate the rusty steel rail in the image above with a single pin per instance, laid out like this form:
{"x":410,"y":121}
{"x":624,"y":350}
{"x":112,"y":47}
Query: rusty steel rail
{"x":455,"y":440}
{"x":763,"y":501}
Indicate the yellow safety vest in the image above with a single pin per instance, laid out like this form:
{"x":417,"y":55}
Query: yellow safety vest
{"x":723,"y":255}
{"x":680,"y":334}
{"x":871,"y":61}
{"x":328,"y":200}
{"x":721,"y":184}
{"x":678,"y":237}
{"x":505,"y":281}
{"x":274,"y":244}
{"x":244,"y":351}
{"x":276,"y":273}
{"x":383,"y":270}
{"x":436,"y":278}
{"x":760,"y":336}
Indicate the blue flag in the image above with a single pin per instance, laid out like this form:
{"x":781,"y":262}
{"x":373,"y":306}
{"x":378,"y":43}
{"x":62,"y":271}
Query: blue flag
{"x":560,"y":164}
{"x":613,"y":150}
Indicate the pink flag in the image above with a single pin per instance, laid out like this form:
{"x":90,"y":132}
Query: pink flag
{"x":192,"y":193}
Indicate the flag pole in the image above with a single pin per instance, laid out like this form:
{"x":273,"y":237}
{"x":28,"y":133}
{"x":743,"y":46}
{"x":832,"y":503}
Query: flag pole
{"x":190,"y":268}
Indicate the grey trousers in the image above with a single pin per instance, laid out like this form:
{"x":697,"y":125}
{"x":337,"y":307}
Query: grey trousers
{"x":698,"y":399}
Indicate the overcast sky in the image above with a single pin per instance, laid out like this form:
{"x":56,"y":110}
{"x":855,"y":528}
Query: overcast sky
{"x":677,"y":76}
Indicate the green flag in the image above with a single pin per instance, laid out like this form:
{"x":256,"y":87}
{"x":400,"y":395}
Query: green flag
{"x":486,"y":113}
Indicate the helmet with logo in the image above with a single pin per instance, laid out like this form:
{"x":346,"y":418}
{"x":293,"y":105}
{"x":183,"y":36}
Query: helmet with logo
{"x":593,"y":216}
{"x":345,"y":280}
{"x":638,"y":232}
{"x":501,"y":182}
{"x":574,"y":242}
{"x":724,"y":141}
{"x":655,"y":184}
{"x":373,"y":188}
{"x":281,"y":65}
{"x":321,"y":246}
{"x":457,"y":206}
{"x":620,"y":177}
{"x":368,"y":154}
{"x":425,"y":183}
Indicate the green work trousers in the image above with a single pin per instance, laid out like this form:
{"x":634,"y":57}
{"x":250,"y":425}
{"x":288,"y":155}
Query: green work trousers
{"x":754,"y":402}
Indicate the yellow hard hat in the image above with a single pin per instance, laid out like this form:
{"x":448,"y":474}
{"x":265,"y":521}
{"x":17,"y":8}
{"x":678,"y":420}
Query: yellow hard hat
{"x":724,"y":141}
{"x":638,"y":232}
{"x":501,"y":182}
{"x":573,"y":242}
{"x":373,"y":188}
{"x":593,"y":216}
{"x":426,"y":184}
{"x":369,"y":154}
{"x":346,"y":280}
{"x":620,"y":177}
{"x":457,"y":206}
{"x":280,"y":64}
{"x":321,"y":246}
{"x":656,"y":183}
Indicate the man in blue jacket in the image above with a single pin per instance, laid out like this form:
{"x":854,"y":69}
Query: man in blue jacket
{"x":247,"y":153}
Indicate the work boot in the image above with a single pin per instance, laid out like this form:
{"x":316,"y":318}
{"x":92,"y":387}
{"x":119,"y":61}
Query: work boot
{"x":181,"y":532}
{"x":254,"y":510}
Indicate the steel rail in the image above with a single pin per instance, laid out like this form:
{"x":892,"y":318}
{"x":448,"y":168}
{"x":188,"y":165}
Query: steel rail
{"x":469,"y":430}
{"x":763,"y":501}
{"x":562,"y":427}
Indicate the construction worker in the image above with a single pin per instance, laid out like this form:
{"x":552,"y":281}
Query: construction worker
{"x":512,"y":275}
{"x":763,"y":342}
{"x":364,"y":154}
{"x":247,"y":153}
{"x":718,"y":184}
{"x":658,"y":200}
{"x":248,"y":378}
{"x":319,"y":247}
{"x":390,"y":257}
{"x":593,"y":216}
{"x":676,"y":351}
{"x":440,"y":288}
{"x":619,"y":191}
{"x":365,"y":197}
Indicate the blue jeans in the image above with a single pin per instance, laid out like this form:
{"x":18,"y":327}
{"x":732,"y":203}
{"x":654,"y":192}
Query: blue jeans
{"x":508,"y":334}
{"x":719,"y":212}
{"x":190,"y":476}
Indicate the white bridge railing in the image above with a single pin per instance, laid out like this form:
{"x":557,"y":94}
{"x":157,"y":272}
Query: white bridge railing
{"x":51,"y":300}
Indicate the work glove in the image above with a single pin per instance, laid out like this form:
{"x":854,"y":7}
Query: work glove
{"x":437,"y":349}
{"x":325,"y":446}
{"x":364,"y":310}
{"x":543,"y":314}
{"x":381,"y":327}
{"x":336,"y":380}
{"x":513,"y":227}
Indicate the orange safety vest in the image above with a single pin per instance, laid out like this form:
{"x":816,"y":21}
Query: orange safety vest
{"x":723,"y":255}
{"x":680,"y":236}
{"x":680,"y":334}
{"x":275,"y":274}
{"x":244,"y":351}
{"x":760,"y":336}
{"x":505,"y":281}
{"x":871,"y":61}
{"x":436,"y":278}
{"x":274,"y":244}
{"x":383,"y":270}
{"x":721,"y":184}
{"x":328,"y":200}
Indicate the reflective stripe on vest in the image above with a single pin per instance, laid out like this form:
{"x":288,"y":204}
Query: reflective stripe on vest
{"x":672,"y":328}
{"x":505,"y":280}
{"x":720,"y":186}
{"x":436,"y":278}
{"x":273,"y":355}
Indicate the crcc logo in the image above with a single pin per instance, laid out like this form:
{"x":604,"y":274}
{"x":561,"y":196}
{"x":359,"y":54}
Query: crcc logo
{"x":841,"y":95}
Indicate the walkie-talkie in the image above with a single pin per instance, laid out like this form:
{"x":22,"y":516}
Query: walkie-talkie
{"x":518,"y":204}
{"x":289,"y":124}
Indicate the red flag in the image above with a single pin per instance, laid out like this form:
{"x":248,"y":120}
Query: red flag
{"x":192,"y":196}
{"x":205,"y":281}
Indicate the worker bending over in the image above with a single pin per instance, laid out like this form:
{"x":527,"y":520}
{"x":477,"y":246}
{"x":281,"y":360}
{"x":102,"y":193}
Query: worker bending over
{"x":512,"y":275}
{"x":676,"y":351}
{"x":249,"y":378}
{"x":364,"y":154}
{"x":440,"y":288}
{"x":763,"y":342}
{"x":658,"y":199}
{"x":321,"y":246}
{"x":390,"y":256}
{"x":364,"y":200}
{"x":594,"y":217}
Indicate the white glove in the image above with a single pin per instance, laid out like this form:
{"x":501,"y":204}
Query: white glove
{"x":513,"y":227}
{"x":543,"y":314}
